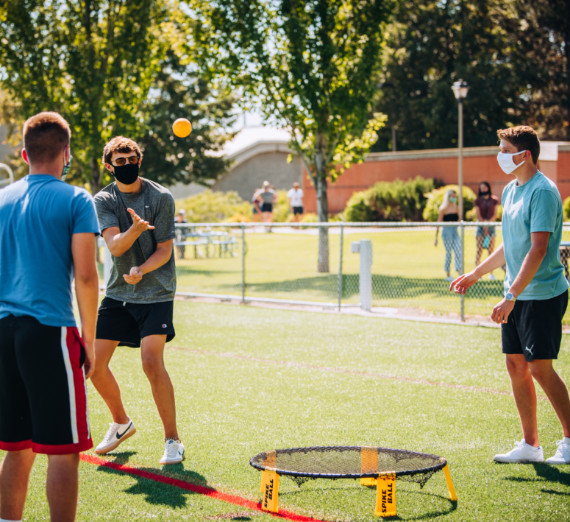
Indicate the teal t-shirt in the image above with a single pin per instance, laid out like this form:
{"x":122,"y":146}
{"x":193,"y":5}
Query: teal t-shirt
{"x":535,"y":206}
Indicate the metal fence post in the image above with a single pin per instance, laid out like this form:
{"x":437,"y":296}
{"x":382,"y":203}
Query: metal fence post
{"x":340,"y":266}
{"x":462,"y":296}
{"x":366,"y":274}
{"x":243,"y":247}
{"x":364,"y":248}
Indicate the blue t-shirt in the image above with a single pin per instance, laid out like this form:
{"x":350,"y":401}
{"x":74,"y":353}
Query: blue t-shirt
{"x":535,"y":206}
{"x":38,"y":216}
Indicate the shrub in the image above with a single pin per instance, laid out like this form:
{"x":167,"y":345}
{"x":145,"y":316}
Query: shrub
{"x":390,"y":201}
{"x":435,"y":199}
{"x":566,"y":208}
{"x":281,"y":209}
{"x":220,"y":207}
{"x":310,"y":218}
{"x":215,"y":207}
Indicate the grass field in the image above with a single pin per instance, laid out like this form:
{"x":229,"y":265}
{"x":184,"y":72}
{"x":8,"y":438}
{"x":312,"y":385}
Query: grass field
{"x":407,"y":271}
{"x":253,"y":379}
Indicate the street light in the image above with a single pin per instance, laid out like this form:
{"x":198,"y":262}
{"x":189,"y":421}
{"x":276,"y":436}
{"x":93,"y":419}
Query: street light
{"x":460,"y":89}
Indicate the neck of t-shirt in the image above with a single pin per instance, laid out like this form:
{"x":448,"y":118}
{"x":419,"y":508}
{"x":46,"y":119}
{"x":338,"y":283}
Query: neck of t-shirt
{"x":133,"y":188}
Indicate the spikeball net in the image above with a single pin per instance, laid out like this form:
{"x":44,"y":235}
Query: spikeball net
{"x":374,"y":466}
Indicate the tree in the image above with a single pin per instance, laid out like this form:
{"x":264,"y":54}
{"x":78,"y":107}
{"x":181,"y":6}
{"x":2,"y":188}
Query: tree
{"x":433,"y":43}
{"x":312,"y":66}
{"x":92,"y":61}
{"x":179,"y":91}
{"x":514,"y":54}
{"x":101,"y":65}
{"x":546,"y":42}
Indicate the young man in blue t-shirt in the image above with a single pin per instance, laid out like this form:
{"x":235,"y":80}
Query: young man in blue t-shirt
{"x":47,"y":239}
{"x":536,"y":291}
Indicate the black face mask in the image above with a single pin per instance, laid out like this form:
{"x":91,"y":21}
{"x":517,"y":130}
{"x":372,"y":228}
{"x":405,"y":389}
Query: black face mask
{"x":126,"y":174}
{"x":484,"y":193}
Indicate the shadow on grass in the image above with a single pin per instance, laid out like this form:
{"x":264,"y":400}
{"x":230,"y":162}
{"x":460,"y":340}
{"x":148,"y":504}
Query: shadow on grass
{"x":157,"y":493}
{"x":184,"y":271}
{"x":553,"y":473}
{"x":322,"y":485}
{"x":383,"y":287}
{"x":548,"y":473}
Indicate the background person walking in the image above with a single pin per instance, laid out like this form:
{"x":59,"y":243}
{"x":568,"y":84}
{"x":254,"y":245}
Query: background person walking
{"x":295,"y":196}
{"x":268,"y":197}
{"x":181,"y":233}
{"x":448,"y":211}
{"x":486,"y":207}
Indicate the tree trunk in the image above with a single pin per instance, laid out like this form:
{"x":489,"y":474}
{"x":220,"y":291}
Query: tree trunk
{"x":95,"y":181}
{"x":323,"y":215}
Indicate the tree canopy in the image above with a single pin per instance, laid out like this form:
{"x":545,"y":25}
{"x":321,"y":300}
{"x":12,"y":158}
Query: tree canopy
{"x":102,"y":64}
{"x":312,"y":66}
{"x":513,"y":54}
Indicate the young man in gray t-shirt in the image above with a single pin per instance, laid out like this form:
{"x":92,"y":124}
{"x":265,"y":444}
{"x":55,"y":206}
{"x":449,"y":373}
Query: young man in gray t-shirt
{"x":136,"y":217}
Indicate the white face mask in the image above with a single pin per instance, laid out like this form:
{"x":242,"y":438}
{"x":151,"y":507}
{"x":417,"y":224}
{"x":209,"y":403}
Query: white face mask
{"x":506,"y":162}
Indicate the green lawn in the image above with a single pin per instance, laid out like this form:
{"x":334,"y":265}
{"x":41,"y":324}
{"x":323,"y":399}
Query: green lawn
{"x":252,"y":379}
{"x":407,"y":271}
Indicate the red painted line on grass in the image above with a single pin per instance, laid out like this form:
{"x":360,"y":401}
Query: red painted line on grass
{"x":194,"y":488}
{"x":348,"y":371}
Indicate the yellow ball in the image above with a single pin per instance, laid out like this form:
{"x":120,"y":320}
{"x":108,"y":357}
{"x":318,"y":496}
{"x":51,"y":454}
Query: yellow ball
{"x":182,"y":127}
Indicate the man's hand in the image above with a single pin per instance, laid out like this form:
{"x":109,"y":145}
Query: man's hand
{"x":89,"y":364}
{"x":463,"y":283}
{"x":140,"y":225}
{"x":502,"y":310}
{"x":134,"y":276}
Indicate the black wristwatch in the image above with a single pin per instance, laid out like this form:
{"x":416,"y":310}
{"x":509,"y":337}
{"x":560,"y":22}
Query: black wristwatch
{"x":510,"y":296}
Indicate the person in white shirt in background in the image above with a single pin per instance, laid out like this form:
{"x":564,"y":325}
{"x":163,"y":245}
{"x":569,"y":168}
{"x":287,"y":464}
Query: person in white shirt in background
{"x":295,"y":196}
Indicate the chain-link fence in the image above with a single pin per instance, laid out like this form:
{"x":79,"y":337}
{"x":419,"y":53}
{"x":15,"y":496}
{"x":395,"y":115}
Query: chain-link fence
{"x":288,"y":262}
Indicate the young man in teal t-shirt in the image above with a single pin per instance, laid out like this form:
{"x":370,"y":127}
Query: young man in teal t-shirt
{"x":536,"y":291}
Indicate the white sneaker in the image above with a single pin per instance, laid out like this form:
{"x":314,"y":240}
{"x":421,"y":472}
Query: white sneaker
{"x":562,"y":455}
{"x":173,"y":452}
{"x":116,"y":434}
{"x":522,"y":453}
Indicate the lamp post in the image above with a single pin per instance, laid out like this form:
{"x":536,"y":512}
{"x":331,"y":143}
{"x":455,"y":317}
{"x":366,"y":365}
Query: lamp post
{"x":460,"y":90}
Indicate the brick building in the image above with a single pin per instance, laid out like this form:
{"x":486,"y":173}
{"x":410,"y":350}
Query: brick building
{"x":479,"y":164}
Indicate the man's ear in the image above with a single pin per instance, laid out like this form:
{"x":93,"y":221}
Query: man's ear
{"x":109,"y":167}
{"x":25,"y":156}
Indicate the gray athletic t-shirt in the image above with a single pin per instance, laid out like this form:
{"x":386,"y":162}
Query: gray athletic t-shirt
{"x":154,"y":204}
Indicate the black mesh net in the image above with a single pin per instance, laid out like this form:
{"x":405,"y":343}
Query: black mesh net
{"x":336,"y":462}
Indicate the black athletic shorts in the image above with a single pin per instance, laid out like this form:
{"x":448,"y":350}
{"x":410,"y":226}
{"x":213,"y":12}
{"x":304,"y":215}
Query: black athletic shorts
{"x":534,"y":328}
{"x":297,"y":210}
{"x":267,"y":207}
{"x":128,"y":323}
{"x":43,"y":398}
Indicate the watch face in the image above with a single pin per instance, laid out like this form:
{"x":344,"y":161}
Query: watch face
{"x":510,"y":296}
